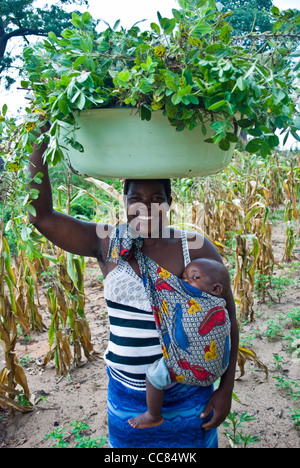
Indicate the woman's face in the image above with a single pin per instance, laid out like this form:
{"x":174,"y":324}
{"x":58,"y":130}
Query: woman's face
{"x":147,"y":205}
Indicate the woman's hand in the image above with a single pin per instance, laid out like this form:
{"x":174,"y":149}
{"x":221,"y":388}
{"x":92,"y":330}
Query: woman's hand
{"x":220,"y":404}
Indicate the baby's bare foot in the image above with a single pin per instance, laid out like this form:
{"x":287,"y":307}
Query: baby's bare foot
{"x":145,"y":420}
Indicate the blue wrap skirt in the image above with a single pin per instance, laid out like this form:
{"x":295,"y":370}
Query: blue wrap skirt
{"x":181,"y":410}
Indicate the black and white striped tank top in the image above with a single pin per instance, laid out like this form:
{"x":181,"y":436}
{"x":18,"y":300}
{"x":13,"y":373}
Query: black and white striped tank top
{"x":134,"y":342}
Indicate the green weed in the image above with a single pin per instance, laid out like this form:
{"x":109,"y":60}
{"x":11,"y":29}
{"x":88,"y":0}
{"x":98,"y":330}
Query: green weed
{"x":75,"y":438}
{"x":234,"y":425}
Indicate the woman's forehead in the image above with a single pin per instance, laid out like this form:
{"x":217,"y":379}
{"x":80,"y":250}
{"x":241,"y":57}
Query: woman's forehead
{"x":146,"y":186}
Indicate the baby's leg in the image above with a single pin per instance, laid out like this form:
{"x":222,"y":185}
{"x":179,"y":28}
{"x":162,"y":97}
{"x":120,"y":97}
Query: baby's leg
{"x":153,"y":416}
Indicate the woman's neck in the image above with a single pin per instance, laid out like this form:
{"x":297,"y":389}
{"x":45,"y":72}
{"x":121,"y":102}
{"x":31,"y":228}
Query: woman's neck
{"x":157,"y":240}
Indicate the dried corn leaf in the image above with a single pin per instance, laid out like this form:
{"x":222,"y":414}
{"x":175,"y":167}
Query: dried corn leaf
{"x":13,"y":405}
{"x":109,"y":189}
{"x":244,"y":355}
{"x":21,"y":380}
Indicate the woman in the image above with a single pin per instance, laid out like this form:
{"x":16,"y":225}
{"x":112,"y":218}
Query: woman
{"x":191,"y":413}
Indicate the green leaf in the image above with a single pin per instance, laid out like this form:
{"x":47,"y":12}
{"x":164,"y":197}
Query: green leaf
{"x":155,"y":27}
{"x":86,"y":17}
{"x":185,"y":4}
{"x":225,"y":35}
{"x":54,"y":155}
{"x":273,"y":141}
{"x":63,"y":106}
{"x":145,"y":113}
{"x":83,"y":77}
{"x":86,"y":44}
{"x":65,"y":80}
{"x":76,"y":21}
{"x":254,"y":145}
{"x":79,"y":270}
{"x":167,"y":24}
{"x":217,"y":105}
{"x":241,"y":83}
{"x":31,"y":210}
{"x":193,"y":99}
{"x":67,"y":33}
{"x":79,"y":61}
{"x":52,"y":37}
{"x":70,"y":267}
{"x":218,"y":125}
{"x":116,"y":25}
{"x":256,"y":132}
{"x":124,"y":75}
{"x":245,"y":123}
{"x":51,"y":332}
{"x":11,"y":292}
{"x":7,"y":260}
{"x":176,"y":99}
{"x":80,"y":101}
{"x":185,"y":91}
{"x":232,"y":137}
{"x":25,"y":84}
{"x":4,"y":110}
{"x":295,"y":135}
{"x":200,"y":30}
{"x":275,"y":11}
{"x":224,"y":144}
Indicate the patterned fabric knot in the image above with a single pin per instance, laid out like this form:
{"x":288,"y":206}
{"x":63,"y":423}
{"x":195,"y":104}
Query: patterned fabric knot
{"x":123,"y":244}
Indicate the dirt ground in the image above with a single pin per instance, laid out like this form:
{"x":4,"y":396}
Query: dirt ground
{"x":82,"y":395}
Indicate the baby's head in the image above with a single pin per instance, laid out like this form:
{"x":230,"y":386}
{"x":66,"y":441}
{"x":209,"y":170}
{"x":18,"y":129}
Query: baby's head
{"x":207,"y":275}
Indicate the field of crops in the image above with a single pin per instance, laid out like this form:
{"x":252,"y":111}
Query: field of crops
{"x":54,"y":327}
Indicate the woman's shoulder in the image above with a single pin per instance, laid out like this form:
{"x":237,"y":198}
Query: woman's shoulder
{"x":104,"y":234}
{"x":177,"y":233}
{"x":201,"y":247}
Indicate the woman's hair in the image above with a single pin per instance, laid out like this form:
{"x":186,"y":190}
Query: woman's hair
{"x":165,"y":182}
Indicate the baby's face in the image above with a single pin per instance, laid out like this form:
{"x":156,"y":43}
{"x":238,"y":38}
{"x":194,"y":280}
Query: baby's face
{"x":195,"y":276}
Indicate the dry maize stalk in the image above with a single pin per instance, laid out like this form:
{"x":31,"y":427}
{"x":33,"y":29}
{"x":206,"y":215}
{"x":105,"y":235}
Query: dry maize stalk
{"x":11,"y":374}
{"x":65,"y":302}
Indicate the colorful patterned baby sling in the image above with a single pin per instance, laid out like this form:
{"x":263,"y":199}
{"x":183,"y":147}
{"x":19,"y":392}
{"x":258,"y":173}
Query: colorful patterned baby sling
{"x":193,"y":326}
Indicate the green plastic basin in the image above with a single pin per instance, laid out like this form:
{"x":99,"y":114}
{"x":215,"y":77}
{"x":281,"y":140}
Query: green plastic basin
{"x":118,"y":144}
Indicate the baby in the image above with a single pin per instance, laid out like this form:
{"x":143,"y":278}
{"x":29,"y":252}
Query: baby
{"x":210,"y":277}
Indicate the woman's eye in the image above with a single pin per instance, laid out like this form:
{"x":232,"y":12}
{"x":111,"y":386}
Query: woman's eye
{"x":157,"y":200}
{"x":196,"y":277}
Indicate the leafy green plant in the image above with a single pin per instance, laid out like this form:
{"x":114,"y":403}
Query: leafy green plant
{"x":188,"y":66}
{"x":292,"y":387}
{"x":234,"y":425}
{"x":293,"y":342}
{"x":279,"y":285}
{"x":295,"y":415}
{"x":274,"y":330}
{"x":79,"y":440}
{"x":25,"y":361}
{"x":278,"y":361}
{"x":293,"y":317}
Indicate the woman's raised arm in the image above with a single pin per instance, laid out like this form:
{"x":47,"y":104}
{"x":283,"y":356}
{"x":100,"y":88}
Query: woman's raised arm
{"x":70,"y":234}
